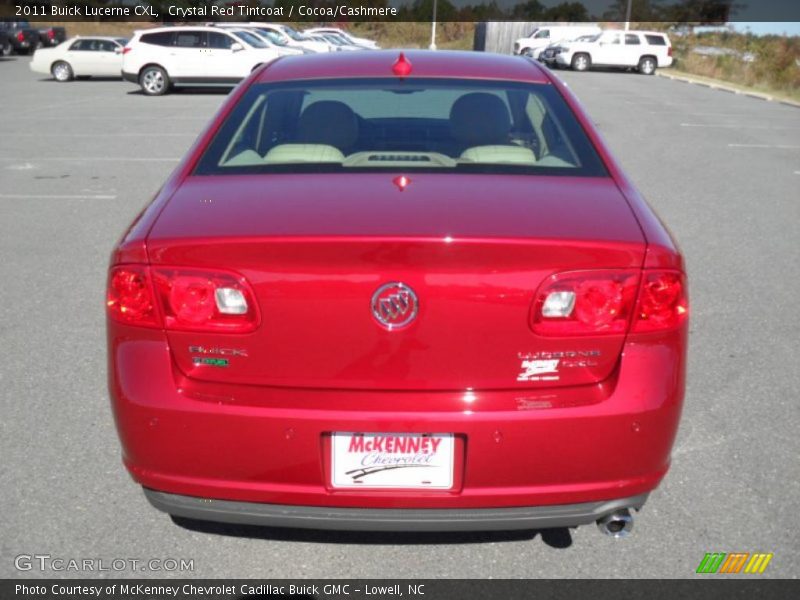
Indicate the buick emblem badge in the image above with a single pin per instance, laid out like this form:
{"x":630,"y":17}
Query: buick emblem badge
{"x":394,"y":305}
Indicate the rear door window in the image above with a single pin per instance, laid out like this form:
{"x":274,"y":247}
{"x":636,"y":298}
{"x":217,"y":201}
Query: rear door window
{"x":162,"y":38}
{"x":219,"y":41}
{"x":656,"y":40}
{"x":190,"y":39}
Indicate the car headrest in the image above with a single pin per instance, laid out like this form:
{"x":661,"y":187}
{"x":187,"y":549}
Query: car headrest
{"x":480,"y":119}
{"x":328,"y":122}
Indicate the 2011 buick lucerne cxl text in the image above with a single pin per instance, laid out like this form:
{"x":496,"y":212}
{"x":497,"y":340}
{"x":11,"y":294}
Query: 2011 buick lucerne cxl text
{"x":390,"y":291}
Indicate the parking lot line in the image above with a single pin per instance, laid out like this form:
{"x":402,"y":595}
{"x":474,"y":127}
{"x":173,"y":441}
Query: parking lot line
{"x":665,"y":112}
{"x":110,"y":118}
{"x":59,"y":196}
{"x":88,"y":159}
{"x":738,"y":126}
{"x":778,"y":146}
{"x":94,"y":135}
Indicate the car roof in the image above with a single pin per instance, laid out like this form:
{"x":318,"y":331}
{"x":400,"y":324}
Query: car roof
{"x":109,"y":38}
{"x":642,"y":31}
{"x":424,"y":63}
{"x":172,"y":28}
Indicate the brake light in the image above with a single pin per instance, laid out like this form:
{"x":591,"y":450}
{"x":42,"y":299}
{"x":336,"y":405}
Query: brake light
{"x":663,"y":302}
{"x":126,"y":49}
{"x":51,"y":34}
{"x":130,"y":297}
{"x":21,"y":36}
{"x":585,"y":303}
{"x":181,"y":299}
{"x":194,"y":300}
{"x":605,"y":302}
{"x":669,"y":50}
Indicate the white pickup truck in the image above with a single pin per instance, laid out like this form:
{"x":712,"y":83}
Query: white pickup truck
{"x":643,"y":50}
{"x":542,"y":37}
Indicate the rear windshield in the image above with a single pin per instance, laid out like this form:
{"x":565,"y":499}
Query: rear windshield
{"x":420,"y":124}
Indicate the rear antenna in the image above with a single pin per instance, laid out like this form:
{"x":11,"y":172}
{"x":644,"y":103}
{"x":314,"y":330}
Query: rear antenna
{"x":402,"y":66}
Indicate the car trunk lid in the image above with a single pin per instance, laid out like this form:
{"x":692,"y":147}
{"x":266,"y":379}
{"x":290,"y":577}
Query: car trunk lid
{"x":473,"y":248}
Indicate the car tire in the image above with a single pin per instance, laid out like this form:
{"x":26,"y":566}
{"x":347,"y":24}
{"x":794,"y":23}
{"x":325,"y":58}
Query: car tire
{"x":581,"y":62}
{"x":61,"y":71}
{"x":154,"y":81}
{"x":647,"y":65}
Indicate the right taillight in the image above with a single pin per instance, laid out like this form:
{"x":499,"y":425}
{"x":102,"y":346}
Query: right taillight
{"x":663,"y":301}
{"x":585,"y":303}
{"x":181,"y":299}
{"x":607,"y":302}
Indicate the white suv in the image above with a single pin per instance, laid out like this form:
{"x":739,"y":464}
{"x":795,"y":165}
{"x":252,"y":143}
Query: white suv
{"x":158,"y":59}
{"x":643,"y":50}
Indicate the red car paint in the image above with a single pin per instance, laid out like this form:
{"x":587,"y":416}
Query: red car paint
{"x":317,"y":363}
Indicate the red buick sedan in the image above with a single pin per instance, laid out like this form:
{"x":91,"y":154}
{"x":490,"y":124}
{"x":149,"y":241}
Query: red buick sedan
{"x":398,"y":292}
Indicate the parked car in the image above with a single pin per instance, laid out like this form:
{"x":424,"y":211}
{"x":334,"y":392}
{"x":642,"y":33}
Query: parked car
{"x":160,"y":58}
{"x":541,"y":37}
{"x":548,"y":55}
{"x":643,"y":50}
{"x":6,"y":47}
{"x":293,"y":38}
{"x":268,"y":37}
{"x":336,"y":44}
{"x":81,"y":57}
{"x":356,"y":41}
{"x":22,"y":36}
{"x":398,"y":291}
{"x":51,"y":36}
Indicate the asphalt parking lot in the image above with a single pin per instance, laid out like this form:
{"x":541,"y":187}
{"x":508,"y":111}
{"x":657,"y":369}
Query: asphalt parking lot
{"x":78,"y":161}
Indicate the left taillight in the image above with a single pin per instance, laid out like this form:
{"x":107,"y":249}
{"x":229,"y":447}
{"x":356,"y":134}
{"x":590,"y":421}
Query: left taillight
{"x":130,"y":298}
{"x":182,"y":299}
{"x":51,"y":34}
{"x":21,"y":36}
{"x":126,"y":49}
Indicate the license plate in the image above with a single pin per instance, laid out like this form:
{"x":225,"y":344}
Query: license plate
{"x":392,"y":460}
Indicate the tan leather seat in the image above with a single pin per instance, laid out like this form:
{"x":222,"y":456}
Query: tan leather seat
{"x":330,"y":123}
{"x":480,"y":119}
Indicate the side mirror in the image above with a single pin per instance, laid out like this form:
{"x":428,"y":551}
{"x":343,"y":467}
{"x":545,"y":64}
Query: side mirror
{"x":236,"y":47}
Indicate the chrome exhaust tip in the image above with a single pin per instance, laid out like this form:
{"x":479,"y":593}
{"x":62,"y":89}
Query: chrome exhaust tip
{"x":618,"y":524}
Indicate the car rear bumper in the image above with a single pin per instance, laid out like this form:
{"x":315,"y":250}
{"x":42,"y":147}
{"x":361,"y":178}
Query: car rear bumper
{"x":513,"y":448}
{"x":389,"y":519}
{"x":132,"y":77}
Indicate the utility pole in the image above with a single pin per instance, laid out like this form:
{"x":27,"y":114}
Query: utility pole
{"x":628,"y":16}
{"x":433,"y":28}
